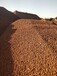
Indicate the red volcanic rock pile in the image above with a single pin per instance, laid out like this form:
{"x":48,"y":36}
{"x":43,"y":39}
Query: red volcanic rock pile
{"x":6,"y":18}
{"x":23,"y":15}
{"x":29,"y":48}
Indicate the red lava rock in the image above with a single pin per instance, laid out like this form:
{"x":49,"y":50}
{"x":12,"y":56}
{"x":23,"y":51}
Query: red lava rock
{"x":28,"y":47}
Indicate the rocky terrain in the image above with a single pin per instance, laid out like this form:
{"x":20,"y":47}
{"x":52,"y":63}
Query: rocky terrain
{"x":28,"y":47}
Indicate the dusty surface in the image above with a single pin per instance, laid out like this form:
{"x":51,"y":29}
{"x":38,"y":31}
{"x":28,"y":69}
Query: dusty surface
{"x":29,"y":48}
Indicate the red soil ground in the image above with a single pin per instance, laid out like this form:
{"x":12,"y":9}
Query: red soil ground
{"x":29,"y":48}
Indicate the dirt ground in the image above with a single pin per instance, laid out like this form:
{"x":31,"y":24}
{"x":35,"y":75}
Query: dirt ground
{"x":29,"y":48}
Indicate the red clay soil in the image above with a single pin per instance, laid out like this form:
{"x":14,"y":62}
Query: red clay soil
{"x":24,"y":15}
{"x":29,"y":48}
{"x":6,"y":18}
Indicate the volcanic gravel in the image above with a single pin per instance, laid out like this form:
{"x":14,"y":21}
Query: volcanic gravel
{"x":29,"y":48}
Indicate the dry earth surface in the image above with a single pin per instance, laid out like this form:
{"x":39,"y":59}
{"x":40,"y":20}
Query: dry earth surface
{"x":29,"y":48}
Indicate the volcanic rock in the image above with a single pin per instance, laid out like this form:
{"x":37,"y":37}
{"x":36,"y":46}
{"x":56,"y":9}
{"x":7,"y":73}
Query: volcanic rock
{"x":29,"y":48}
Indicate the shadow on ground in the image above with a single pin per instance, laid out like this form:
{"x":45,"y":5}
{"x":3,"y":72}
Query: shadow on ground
{"x":6,"y":60}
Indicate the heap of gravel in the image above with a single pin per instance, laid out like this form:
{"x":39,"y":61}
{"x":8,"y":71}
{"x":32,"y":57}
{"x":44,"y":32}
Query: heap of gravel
{"x":29,"y":48}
